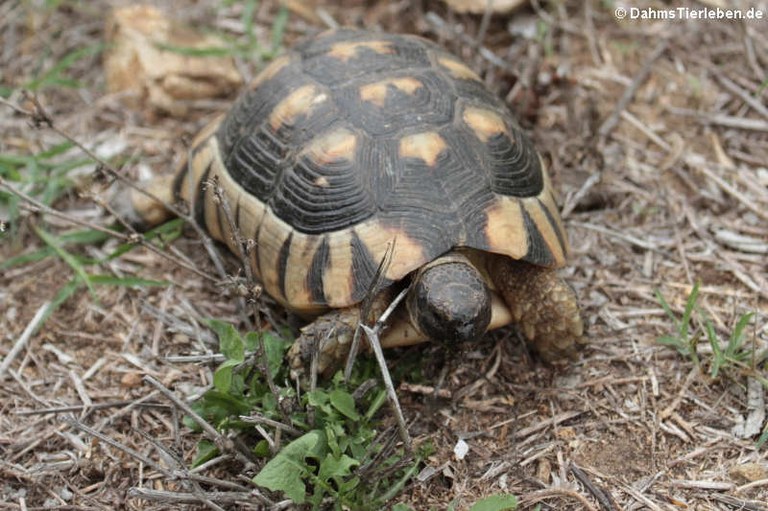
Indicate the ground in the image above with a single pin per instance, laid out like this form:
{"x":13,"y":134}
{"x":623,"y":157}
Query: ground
{"x":656,"y":134}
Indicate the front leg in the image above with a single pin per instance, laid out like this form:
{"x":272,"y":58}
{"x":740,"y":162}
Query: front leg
{"x":330,"y":334}
{"x":543,"y":305}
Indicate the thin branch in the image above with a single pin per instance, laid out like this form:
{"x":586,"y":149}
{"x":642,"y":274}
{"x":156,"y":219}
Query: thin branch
{"x":612,"y":120}
{"x":21,"y":342}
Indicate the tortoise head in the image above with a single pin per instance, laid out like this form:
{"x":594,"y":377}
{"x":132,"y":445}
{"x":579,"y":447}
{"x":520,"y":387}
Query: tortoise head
{"x":449,"y":300}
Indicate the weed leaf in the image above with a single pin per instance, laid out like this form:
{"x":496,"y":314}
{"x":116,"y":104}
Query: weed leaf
{"x":495,"y":503}
{"x":206,"y":450}
{"x":287,"y":470}
{"x":344,"y":403}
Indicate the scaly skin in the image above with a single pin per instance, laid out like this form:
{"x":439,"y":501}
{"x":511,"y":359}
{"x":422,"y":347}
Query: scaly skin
{"x":542,"y":304}
{"x":332,"y":333}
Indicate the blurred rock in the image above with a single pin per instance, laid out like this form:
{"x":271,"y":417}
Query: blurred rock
{"x":479,"y":6}
{"x":165,"y":64}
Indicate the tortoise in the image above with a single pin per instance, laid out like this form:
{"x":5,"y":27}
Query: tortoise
{"x":356,"y":145}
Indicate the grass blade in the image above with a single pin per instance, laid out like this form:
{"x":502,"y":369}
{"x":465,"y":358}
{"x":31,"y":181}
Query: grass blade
{"x":68,"y":258}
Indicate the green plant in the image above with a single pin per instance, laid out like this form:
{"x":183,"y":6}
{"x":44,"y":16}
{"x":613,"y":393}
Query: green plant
{"x":43,"y":176}
{"x":681,"y":340}
{"x":763,"y":437}
{"x":499,"y":502}
{"x":735,"y":353}
{"x":335,"y":451}
{"x":56,"y":75}
{"x":734,"y":357}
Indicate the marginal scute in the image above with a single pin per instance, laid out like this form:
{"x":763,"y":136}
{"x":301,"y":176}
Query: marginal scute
{"x":296,"y":289}
{"x":299,"y":102}
{"x":425,"y":146}
{"x":376,"y":92}
{"x":505,"y":229}
{"x":407,"y":253}
{"x":548,"y":203}
{"x":273,"y":233}
{"x":547,"y":231}
{"x":347,"y":50}
{"x":338,"y":280}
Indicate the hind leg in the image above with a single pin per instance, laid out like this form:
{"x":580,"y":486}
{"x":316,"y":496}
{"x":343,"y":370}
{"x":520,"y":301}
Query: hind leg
{"x":543,"y":305}
{"x":141,"y":210}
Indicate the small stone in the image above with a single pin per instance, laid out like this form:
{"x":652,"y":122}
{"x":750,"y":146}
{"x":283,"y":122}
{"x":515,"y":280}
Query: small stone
{"x":461,"y":449}
{"x":131,"y":380}
{"x":566,"y":433}
{"x":748,"y":472}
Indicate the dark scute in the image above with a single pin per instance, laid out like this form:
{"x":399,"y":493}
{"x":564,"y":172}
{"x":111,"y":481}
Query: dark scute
{"x":450,"y":303}
{"x":345,"y":200}
{"x":432,"y":104}
{"x":538,"y":251}
{"x":282,"y":261}
{"x":515,"y":166}
{"x":319,"y":265}
{"x":252,"y":109}
{"x":256,"y":162}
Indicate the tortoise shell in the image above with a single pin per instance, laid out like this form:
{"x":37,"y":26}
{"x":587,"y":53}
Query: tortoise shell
{"x":354,"y":141}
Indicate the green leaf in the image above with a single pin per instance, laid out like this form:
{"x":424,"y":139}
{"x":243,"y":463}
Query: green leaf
{"x":222,"y":377}
{"x":336,"y":468}
{"x":278,"y":29}
{"x":495,"y":503}
{"x":216,"y":406}
{"x":288,"y":469}
{"x":763,"y":438}
{"x":689,"y":307}
{"x":110,"y":280}
{"x":21,"y":259}
{"x":230,"y":343}
{"x":274,"y":346}
{"x":344,"y":403}
{"x":376,"y":403}
{"x":53,"y":77}
{"x":717,"y":354}
{"x":402,"y":507}
{"x":190,"y":51}
{"x":664,"y":305}
{"x":319,"y":399}
{"x":670,"y":340}
{"x":261,"y":449}
{"x":206,"y":450}
{"x":737,"y":336}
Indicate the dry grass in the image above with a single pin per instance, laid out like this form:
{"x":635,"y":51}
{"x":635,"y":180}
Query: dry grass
{"x":657,"y":133}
